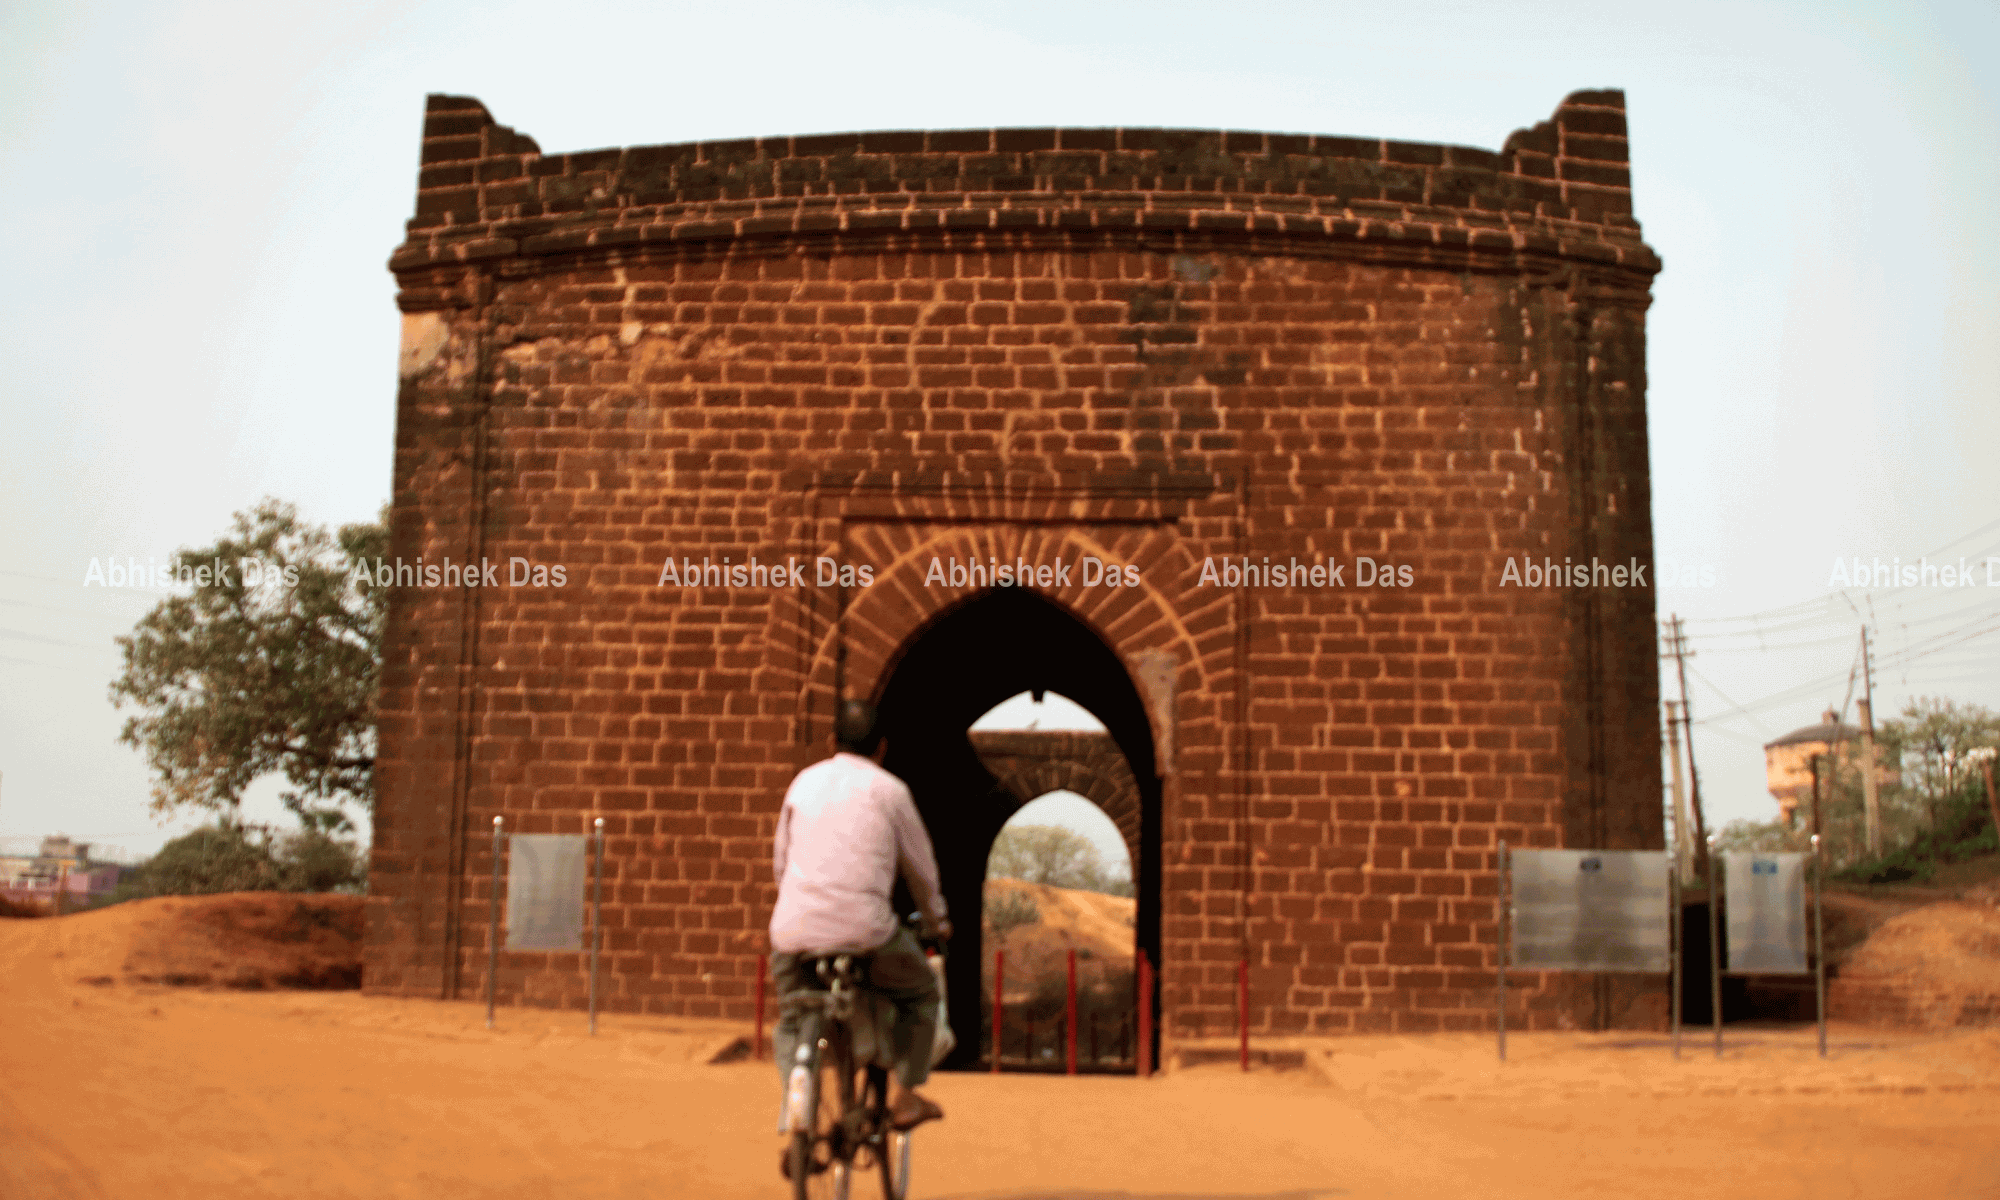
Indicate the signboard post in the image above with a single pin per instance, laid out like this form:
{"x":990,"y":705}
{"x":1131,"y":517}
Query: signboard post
{"x":1583,"y":910}
{"x":1590,"y":910}
{"x":1819,"y":946}
{"x":545,"y":885}
{"x":545,"y":877}
{"x":597,"y":940}
{"x":1767,"y":921}
{"x":493,"y":918}
{"x":1767,"y":918}
{"x":1714,"y":949}
{"x":1500,"y":932}
{"x":999,"y":979}
{"x":1679,"y":948}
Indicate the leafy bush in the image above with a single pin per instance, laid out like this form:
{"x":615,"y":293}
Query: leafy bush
{"x":316,"y":861}
{"x":210,"y":860}
{"x":1964,"y":829}
{"x":228,"y":858}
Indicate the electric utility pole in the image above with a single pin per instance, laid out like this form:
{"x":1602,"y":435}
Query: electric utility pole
{"x":1677,"y":648}
{"x":1984,"y":757}
{"x":1815,"y":807}
{"x":1683,"y":839}
{"x":1871,"y":808}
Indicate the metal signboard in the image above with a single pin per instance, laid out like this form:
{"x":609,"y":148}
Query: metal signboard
{"x":1765,"y":898}
{"x":1590,"y":910}
{"x":545,"y":878}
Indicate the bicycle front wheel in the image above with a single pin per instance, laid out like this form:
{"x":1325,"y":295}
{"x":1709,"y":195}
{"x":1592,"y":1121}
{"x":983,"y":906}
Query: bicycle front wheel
{"x":817,"y":1159}
{"x":888,"y":1148}
{"x":896,"y":1165}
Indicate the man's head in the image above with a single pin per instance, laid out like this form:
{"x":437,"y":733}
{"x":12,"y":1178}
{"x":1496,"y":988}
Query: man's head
{"x":856,"y":729}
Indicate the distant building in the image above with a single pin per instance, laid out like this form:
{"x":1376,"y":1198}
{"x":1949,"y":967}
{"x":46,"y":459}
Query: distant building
{"x":60,"y":864}
{"x":1788,"y":771}
{"x":14,"y":869}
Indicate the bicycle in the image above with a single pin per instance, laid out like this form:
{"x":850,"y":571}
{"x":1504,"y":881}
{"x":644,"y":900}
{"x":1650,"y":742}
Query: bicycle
{"x":836,"y":1129}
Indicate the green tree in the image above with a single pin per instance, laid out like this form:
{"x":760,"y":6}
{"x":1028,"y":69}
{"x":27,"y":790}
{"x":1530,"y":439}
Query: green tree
{"x":268,"y":663}
{"x":1929,"y":743}
{"x":1760,"y":837}
{"x":1931,"y":796}
{"x":1052,"y":855}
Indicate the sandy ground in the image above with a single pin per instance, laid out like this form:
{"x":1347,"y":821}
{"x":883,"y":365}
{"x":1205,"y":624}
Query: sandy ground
{"x":132,"y":1089}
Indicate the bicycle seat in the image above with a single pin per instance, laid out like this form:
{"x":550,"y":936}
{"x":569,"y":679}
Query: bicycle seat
{"x":851,"y":969}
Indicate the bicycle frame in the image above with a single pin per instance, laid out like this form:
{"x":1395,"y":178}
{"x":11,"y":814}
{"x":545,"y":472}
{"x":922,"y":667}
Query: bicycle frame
{"x":823,"y":1029}
{"x":860,"y":1121}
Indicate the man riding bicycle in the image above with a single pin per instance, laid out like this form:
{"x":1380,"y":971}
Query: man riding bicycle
{"x":848,"y":828}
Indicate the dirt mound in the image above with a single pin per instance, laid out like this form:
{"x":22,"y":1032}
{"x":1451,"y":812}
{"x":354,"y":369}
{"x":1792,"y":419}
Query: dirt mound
{"x":1934,"y":967}
{"x":1097,"y":926}
{"x":248,"y":940}
{"x":1088,"y":921}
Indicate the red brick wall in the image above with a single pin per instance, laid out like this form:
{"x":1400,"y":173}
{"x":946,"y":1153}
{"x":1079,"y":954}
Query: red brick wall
{"x":1909,"y":1002}
{"x":1150,"y":346}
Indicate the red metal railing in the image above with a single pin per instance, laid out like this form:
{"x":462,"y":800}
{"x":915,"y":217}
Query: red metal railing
{"x":999,"y":978}
{"x":1243,"y":1013}
{"x":757,"y":1042}
{"x":1069,"y":1015}
{"x":1131,"y":1034}
{"x":1145,"y":1048}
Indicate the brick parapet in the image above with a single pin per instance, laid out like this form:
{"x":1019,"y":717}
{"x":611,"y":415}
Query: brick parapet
{"x":1556,"y":194}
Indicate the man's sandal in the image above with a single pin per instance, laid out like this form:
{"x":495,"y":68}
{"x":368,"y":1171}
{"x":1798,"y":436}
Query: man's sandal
{"x":905,"y":1117}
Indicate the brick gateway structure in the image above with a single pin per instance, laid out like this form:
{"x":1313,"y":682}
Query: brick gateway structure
{"x":1174,"y":352}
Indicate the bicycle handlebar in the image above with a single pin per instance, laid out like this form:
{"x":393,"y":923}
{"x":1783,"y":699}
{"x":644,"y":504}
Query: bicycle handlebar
{"x":933,"y":944}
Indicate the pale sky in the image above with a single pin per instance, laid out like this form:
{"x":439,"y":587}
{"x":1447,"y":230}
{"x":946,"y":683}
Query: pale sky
{"x":199,"y":199}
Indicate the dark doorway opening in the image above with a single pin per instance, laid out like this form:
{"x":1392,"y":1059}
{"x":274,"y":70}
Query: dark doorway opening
{"x":1060,"y":902}
{"x":993,"y":646}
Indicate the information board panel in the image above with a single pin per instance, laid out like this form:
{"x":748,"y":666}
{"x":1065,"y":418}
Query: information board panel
{"x":1590,"y":910}
{"x":1765,"y":898}
{"x":545,"y":876}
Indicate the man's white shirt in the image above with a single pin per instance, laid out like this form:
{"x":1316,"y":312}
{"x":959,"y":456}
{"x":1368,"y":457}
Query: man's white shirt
{"x":846,"y":830}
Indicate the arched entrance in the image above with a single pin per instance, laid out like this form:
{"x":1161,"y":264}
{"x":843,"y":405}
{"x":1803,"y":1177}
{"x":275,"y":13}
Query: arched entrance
{"x":1033,"y":763}
{"x":1060,"y":903}
{"x":992,"y":646}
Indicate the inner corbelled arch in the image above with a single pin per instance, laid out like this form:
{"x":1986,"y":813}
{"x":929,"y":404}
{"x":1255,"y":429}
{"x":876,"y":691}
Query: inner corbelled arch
{"x":1030,"y":763}
{"x":986,"y":649}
